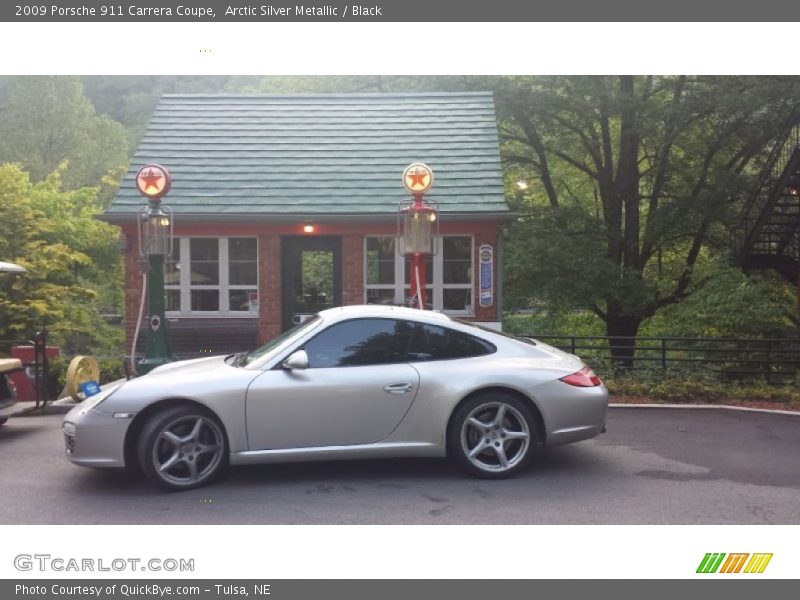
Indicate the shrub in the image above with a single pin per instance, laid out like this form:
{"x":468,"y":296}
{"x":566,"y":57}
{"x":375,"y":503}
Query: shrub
{"x":667,"y":387}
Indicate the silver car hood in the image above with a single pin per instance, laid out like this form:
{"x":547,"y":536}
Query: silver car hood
{"x":187,"y":367}
{"x":199,"y":378}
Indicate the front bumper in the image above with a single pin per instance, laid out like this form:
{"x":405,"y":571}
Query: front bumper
{"x":95,"y":439}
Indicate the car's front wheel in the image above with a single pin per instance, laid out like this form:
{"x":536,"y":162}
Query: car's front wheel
{"x":3,"y":420}
{"x":182,"y":447}
{"x":492,"y":435}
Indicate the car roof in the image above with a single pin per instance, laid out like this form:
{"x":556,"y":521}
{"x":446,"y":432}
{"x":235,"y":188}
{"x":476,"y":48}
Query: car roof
{"x":381,"y":310}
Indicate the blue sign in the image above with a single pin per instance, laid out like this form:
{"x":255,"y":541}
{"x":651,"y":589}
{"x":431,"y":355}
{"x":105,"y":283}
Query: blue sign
{"x":486,"y":275}
{"x":90,"y":388}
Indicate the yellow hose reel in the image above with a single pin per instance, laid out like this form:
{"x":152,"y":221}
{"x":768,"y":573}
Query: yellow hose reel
{"x":81,"y":369}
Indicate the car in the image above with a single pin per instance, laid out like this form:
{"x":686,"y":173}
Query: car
{"x":8,"y":365}
{"x":7,"y":392}
{"x":350,"y":382}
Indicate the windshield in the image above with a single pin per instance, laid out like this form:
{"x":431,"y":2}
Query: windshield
{"x":246,"y":359}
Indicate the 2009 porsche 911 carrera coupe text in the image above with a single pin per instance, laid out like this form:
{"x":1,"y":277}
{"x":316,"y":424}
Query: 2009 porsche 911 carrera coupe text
{"x":356,"y":381}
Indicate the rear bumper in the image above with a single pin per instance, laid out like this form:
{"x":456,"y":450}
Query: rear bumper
{"x":570,"y":413}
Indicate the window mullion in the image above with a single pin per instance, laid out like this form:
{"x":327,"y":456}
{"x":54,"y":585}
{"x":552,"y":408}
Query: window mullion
{"x":185,"y":276}
{"x":224,"y":297}
{"x":438,"y":276}
{"x":399,"y":274}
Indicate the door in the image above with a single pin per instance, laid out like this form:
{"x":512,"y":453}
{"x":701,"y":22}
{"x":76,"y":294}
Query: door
{"x":354,"y":391}
{"x":312,"y":276}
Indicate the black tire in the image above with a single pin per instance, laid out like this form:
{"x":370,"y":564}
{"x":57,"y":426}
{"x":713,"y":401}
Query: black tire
{"x":189,"y":439}
{"x":492,"y":450}
{"x":3,"y":420}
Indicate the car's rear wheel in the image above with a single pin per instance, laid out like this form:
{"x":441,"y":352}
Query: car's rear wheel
{"x":182,"y":447}
{"x":492,"y":435}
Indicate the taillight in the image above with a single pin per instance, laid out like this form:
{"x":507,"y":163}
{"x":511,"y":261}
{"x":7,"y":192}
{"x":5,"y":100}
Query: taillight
{"x":583,"y":378}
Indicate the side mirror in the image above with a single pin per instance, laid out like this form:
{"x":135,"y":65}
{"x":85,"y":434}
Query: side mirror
{"x":298,"y":360}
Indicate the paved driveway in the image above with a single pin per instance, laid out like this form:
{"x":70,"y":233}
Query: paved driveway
{"x":653,"y":466}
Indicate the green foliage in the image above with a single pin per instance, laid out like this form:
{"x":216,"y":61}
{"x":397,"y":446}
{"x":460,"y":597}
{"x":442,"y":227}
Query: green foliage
{"x":731,"y":303}
{"x":72,"y":261}
{"x":293,"y":84}
{"x":47,"y":120}
{"x":664,"y":387}
{"x":317,"y":267}
{"x":557,"y":255}
{"x":130,"y":100}
{"x":544,"y":321}
{"x":632,"y":185}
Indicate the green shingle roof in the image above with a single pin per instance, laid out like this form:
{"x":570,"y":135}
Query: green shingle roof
{"x":319,"y":154}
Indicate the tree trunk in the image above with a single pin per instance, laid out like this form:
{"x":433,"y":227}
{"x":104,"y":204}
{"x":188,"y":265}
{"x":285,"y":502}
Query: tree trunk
{"x":621,"y":331}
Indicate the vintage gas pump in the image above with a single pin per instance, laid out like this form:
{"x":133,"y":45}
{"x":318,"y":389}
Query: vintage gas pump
{"x":417,"y":226}
{"x":155,"y":244}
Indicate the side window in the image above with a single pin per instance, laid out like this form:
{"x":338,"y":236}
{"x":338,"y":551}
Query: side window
{"x":360,"y":342}
{"x":431,"y":342}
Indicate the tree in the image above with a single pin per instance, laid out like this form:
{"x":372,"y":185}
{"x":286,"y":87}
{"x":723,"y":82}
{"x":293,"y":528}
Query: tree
{"x":74,"y":267}
{"x":637,"y":177}
{"x":48,"y":120}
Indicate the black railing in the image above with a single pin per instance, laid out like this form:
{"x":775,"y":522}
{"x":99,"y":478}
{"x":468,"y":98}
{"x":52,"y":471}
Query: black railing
{"x":39,"y":366}
{"x":770,"y":180}
{"x":773,"y":360}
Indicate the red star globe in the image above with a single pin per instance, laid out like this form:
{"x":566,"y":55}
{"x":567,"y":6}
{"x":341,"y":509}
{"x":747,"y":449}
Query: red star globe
{"x":153,"y":181}
{"x":418,"y":178}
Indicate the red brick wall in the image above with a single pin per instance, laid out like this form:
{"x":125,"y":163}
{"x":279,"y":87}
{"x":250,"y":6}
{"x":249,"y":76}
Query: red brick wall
{"x":269,"y":284}
{"x":352,"y":269}
{"x":133,"y":290}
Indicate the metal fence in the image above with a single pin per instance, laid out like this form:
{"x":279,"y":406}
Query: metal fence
{"x":773,"y":360}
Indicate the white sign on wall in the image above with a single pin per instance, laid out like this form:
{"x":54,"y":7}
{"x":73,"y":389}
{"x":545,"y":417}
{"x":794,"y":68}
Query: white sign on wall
{"x":486,"y":275}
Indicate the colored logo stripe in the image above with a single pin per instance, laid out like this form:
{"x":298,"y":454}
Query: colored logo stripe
{"x":758,"y":563}
{"x":710,"y":563}
{"x":733,"y":564}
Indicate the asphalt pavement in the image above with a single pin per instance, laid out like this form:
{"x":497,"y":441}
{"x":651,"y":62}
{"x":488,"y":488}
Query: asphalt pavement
{"x":653,"y":466}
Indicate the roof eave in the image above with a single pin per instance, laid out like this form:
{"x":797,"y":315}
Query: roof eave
{"x":250,"y":218}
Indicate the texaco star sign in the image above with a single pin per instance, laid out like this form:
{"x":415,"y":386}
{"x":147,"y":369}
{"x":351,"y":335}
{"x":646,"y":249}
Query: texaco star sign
{"x":418,"y":178}
{"x":153,"y":181}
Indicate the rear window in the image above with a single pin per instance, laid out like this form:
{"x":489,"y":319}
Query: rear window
{"x":431,"y":342}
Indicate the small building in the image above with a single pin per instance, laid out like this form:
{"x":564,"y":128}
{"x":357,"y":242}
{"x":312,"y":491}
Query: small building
{"x":285,"y":205}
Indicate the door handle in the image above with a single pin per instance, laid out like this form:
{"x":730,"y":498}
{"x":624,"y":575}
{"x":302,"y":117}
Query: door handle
{"x":399,"y":389}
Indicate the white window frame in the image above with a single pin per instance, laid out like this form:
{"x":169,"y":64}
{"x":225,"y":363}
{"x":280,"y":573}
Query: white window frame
{"x":440,"y":286}
{"x":437,"y":287}
{"x":222,"y":288}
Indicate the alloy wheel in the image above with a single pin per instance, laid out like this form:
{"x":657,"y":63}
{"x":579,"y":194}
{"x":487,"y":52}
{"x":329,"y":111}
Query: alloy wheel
{"x":188,"y":450}
{"x":495,"y":437}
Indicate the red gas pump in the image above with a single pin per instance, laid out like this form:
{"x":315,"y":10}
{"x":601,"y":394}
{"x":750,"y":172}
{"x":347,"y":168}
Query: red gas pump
{"x":34,"y":360}
{"x":417,"y":226}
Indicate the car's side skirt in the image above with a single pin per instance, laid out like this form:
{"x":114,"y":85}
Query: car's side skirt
{"x":381,"y":450}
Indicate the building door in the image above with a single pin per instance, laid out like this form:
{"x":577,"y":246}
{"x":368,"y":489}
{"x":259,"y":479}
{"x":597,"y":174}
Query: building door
{"x":312,"y":276}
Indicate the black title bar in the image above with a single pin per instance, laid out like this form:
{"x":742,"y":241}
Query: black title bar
{"x":398,"y":11}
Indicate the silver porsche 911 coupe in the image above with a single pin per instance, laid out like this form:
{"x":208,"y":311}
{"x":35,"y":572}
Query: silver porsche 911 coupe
{"x":351,"y":382}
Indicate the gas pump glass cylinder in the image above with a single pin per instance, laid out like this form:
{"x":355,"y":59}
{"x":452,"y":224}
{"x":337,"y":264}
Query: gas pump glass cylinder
{"x":156,"y":233}
{"x":418,"y":232}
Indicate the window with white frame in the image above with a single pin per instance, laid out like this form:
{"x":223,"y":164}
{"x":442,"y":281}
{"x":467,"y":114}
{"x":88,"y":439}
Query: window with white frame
{"x":448,"y":274}
{"x":212,"y":276}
